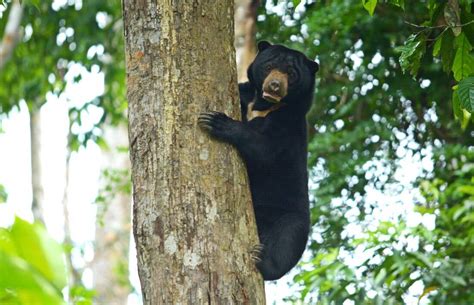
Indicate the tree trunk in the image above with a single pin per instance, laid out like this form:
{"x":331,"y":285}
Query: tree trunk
{"x":112,"y":238}
{"x":12,"y":32}
{"x":193,"y":218}
{"x":245,"y":28}
{"x":36,"y":176}
{"x":74,"y":274}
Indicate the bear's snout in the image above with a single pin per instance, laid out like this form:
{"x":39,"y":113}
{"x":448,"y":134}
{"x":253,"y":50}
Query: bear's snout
{"x":275,"y":86}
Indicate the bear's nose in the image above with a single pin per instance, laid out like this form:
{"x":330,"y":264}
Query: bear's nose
{"x":274,"y":85}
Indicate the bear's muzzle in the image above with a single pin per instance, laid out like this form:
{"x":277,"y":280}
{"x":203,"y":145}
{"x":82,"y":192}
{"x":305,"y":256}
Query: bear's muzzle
{"x":275,"y":86}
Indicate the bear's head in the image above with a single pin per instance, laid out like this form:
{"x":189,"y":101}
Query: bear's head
{"x":280,"y":74}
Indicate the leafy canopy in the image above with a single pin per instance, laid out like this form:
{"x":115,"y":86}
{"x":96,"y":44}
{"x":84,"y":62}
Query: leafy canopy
{"x":393,"y":96}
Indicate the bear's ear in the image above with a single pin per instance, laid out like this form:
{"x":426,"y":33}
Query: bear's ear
{"x":313,"y":66}
{"x":262,"y":45}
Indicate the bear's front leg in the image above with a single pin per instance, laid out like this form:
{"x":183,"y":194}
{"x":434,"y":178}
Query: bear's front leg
{"x":253,"y":146}
{"x":220,"y":126}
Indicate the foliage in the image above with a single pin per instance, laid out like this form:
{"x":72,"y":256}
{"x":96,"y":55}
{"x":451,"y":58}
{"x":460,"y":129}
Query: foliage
{"x":81,"y":296}
{"x":115,"y":182}
{"x":32,"y":268}
{"x":450,"y":196}
{"x":466,"y":93}
{"x":3,"y":194}
{"x":450,"y":26}
{"x":368,"y":119}
{"x":57,"y":38}
{"x":61,"y":42}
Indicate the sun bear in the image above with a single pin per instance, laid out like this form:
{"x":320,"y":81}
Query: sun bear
{"x":272,"y":140}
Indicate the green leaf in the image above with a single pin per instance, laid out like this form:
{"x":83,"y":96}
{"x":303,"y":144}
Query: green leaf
{"x":420,"y":259}
{"x":81,"y":295}
{"x":456,"y":279}
{"x":446,"y":50}
{"x":74,"y":144}
{"x":28,"y":285}
{"x":35,"y":3}
{"x":463,"y":65}
{"x":35,"y":246}
{"x":466,"y":93}
{"x":467,"y":2}
{"x":100,"y":141}
{"x":3,"y":194}
{"x":466,"y":118}
{"x":467,"y":19}
{"x":436,"y":10}
{"x":380,"y":276}
{"x":399,"y":3}
{"x":296,"y":3}
{"x":437,"y":46}
{"x":370,"y":5}
{"x":457,"y":110}
{"x":6,"y":243}
{"x":411,"y":53}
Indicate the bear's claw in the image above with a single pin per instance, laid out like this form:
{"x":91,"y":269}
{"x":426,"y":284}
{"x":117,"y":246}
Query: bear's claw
{"x":255,"y":253}
{"x":215,"y":123}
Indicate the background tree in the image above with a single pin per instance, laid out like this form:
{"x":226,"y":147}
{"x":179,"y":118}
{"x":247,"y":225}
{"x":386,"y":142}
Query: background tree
{"x":193,"y":220}
{"x":245,"y":20}
{"x":11,"y":33}
{"x":113,"y":229}
{"x":57,"y":39}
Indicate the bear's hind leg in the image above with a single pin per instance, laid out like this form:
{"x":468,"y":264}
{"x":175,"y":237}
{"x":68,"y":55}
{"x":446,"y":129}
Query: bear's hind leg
{"x":284,"y":241}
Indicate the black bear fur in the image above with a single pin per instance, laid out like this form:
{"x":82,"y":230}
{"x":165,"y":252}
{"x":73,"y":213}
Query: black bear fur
{"x":272,"y":140}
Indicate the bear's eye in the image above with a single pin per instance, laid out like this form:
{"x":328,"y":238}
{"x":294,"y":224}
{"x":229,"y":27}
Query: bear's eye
{"x":292,"y":75}
{"x":268,"y":67}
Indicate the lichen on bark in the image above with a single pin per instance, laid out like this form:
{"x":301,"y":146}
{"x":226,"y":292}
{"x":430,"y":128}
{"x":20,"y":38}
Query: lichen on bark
{"x":193,"y":217}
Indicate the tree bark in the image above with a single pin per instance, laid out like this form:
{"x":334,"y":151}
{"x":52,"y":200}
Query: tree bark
{"x":36,"y":175}
{"x":245,"y":28}
{"x":193,"y":217}
{"x":74,"y":274}
{"x":112,"y":239}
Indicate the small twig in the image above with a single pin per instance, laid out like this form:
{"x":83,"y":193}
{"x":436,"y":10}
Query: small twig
{"x":425,"y":27}
{"x":467,"y":23}
{"x":439,"y":35}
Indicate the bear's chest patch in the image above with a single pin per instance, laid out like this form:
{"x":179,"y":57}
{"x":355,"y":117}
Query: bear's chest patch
{"x":252,"y":114}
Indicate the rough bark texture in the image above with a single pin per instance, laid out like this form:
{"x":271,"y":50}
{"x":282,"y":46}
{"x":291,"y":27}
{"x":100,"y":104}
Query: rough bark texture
{"x":36,"y":176}
{"x":245,"y":28}
{"x":193,"y":218}
{"x":110,"y":262}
